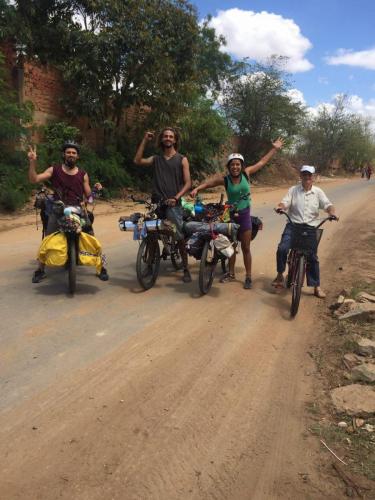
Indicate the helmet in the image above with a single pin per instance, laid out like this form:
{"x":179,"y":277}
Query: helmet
{"x":235,"y":156}
{"x":70,"y":144}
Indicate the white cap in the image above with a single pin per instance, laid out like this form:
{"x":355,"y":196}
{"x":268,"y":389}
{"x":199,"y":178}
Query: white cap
{"x":235,"y":156}
{"x":307,"y":168}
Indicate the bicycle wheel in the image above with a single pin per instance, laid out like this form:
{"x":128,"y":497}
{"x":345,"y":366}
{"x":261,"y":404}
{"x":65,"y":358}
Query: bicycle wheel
{"x":176,"y":257}
{"x":148,"y":262}
{"x":72,"y":264}
{"x":298,"y":279}
{"x":206,"y":269}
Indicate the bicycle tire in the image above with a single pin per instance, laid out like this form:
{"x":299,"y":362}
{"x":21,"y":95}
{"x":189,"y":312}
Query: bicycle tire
{"x":206,"y":270}
{"x":298,"y":279}
{"x":148,"y":262}
{"x":176,"y":257}
{"x":72,"y":265}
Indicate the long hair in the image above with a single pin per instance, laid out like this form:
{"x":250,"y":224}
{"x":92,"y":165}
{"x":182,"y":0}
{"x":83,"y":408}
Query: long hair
{"x":176,"y":137}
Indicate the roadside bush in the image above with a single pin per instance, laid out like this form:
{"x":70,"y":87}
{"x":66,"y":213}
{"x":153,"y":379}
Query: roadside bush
{"x":15,"y":188}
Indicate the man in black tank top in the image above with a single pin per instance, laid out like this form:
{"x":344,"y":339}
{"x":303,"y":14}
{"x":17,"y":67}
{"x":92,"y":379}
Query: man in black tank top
{"x":170,"y":181}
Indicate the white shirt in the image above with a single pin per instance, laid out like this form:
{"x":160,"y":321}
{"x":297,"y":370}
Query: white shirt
{"x":303,"y":206}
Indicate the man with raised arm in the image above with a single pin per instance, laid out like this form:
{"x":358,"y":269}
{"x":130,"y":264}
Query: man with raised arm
{"x":170,"y":181}
{"x":70,"y":184}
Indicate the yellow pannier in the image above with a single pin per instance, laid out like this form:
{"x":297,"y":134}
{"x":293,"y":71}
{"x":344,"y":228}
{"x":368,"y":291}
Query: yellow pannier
{"x":53,"y":250}
{"x":90,"y":251}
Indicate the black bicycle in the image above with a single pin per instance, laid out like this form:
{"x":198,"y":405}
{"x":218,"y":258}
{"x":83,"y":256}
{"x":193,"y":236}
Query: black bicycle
{"x":152,"y":229}
{"x":211,"y":255}
{"x":305,"y":241}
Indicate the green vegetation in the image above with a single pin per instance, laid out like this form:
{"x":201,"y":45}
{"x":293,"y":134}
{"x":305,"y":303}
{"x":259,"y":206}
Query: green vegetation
{"x":336,"y":135}
{"x":259,"y":108}
{"x":14,"y":118}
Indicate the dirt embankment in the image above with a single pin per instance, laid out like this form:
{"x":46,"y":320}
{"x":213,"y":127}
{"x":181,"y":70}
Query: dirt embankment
{"x":349,"y":434}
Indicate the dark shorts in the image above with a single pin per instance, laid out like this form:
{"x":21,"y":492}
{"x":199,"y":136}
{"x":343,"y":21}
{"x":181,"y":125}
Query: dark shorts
{"x":244,"y":220}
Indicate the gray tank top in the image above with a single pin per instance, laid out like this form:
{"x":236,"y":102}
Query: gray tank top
{"x":168,"y":177}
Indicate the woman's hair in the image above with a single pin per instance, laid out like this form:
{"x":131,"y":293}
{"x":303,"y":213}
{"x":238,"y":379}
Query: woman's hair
{"x":176,"y":137}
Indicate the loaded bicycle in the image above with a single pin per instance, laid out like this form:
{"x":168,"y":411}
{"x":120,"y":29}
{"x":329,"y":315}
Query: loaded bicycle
{"x":73,"y":242}
{"x":305,"y":241}
{"x":156,"y":237}
{"x":215,"y":239}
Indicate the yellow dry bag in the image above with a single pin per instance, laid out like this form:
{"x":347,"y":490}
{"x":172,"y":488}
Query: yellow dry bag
{"x":53,"y":250}
{"x":90,"y":251}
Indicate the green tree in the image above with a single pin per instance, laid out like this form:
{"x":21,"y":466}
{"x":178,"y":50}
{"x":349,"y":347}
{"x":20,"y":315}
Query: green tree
{"x":335,"y":135}
{"x":205,"y":134}
{"x":124,"y":54}
{"x":259,"y":108}
{"x":14,"y":120}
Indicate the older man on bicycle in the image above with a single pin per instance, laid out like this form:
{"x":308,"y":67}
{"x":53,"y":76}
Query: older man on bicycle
{"x":302,"y":203}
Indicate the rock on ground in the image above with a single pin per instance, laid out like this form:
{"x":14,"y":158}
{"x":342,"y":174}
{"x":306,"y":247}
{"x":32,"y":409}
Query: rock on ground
{"x":363,"y":311}
{"x":364,"y":373}
{"x":354,"y":399}
{"x":364,"y":346}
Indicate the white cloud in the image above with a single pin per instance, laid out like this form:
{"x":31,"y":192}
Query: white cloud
{"x":362,"y":59}
{"x":296,"y":96}
{"x":355,"y":104}
{"x":261,"y":35}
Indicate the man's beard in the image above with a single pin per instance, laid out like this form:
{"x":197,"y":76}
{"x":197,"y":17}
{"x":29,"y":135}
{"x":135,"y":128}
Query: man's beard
{"x":166,"y":147}
{"x":70,"y":163}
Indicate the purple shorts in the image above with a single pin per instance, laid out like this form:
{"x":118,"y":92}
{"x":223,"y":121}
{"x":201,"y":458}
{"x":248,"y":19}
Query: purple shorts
{"x":244,"y":220}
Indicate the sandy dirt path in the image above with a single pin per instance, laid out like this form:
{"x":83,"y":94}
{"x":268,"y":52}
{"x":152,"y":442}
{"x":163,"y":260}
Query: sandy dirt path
{"x":121,"y":394}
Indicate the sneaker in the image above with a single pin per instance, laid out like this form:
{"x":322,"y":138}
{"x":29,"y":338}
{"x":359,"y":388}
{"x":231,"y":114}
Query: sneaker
{"x":38,"y":276}
{"x":227,"y":278}
{"x":248,"y":284}
{"x":186,"y":277}
{"x":103,"y":275}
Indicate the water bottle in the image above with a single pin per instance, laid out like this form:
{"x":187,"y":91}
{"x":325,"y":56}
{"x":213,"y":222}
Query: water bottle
{"x":198,"y":207}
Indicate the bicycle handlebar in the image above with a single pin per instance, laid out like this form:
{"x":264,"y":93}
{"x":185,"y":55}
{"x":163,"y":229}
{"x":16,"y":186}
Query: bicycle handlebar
{"x":330,"y":217}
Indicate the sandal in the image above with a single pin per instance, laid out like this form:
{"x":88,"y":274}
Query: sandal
{"x":227,"y":278}
{"x":277,"y":283}
{"x":318,"y":292}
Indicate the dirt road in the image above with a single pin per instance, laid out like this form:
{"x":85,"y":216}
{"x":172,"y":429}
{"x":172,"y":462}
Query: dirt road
{"x":122,"y":394}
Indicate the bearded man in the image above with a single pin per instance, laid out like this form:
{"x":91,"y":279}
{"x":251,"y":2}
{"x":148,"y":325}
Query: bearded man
{"x":170,"y":181}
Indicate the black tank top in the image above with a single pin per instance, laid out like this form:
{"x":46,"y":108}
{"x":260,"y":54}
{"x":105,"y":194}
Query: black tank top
{"x":168,"y":178}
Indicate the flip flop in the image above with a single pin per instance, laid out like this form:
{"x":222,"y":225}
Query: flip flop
{"x":278,"y":284}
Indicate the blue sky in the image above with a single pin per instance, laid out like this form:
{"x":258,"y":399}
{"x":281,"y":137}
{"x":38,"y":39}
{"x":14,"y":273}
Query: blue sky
{"x":331,"y":43}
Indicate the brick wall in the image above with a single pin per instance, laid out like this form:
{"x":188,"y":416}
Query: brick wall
{"x":42,"y":86}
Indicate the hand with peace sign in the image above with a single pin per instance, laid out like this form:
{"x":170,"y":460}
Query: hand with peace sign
{"x":32,"y":156}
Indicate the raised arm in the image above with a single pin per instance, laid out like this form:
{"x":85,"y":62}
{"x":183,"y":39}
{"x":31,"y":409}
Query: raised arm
{"x":34,"y":177}
{"x":216,"y":180}
{"x":138,"y":158}
{"x":278,"y":144}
